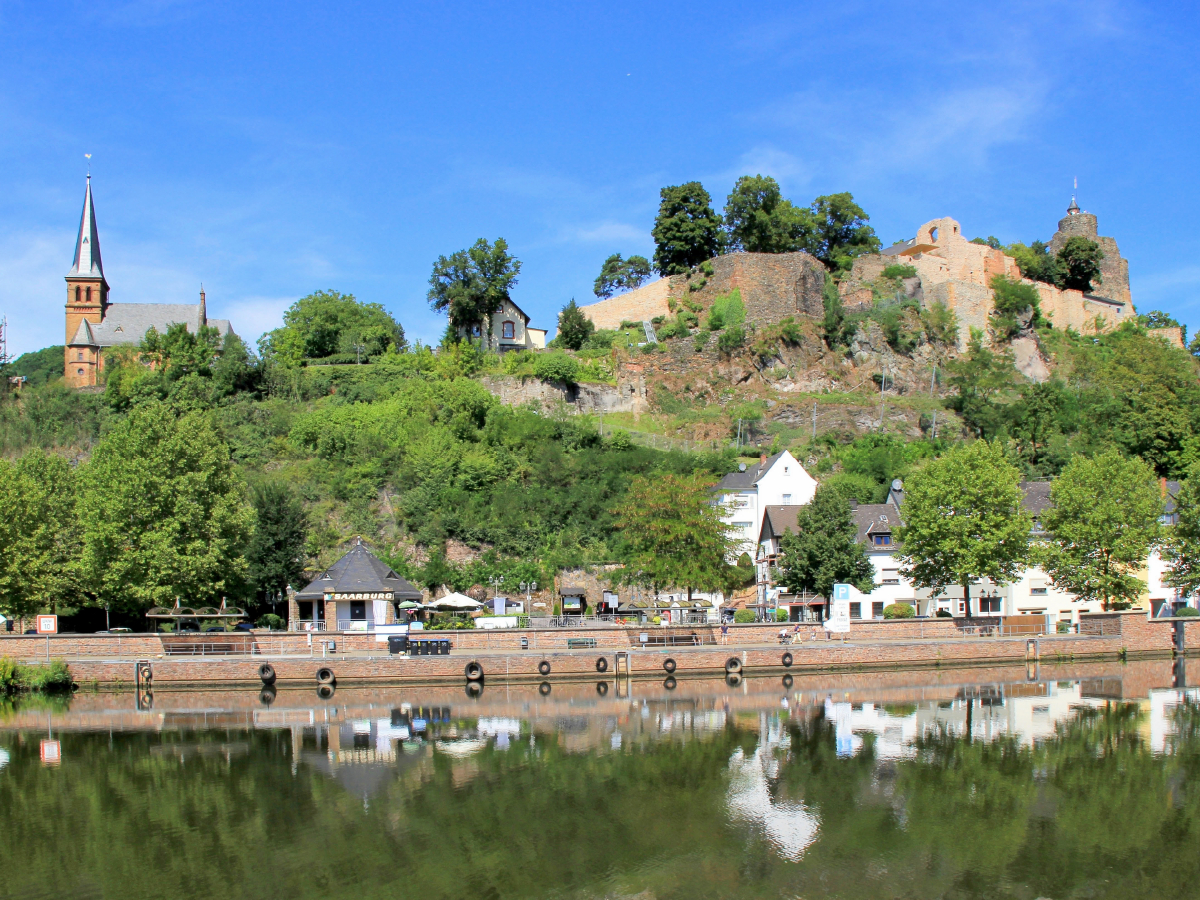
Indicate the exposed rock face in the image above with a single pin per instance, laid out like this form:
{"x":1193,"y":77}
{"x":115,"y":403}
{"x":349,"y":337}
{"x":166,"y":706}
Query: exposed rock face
{"x":629,"y":395}
{"x":1028,"y":359}
{"x":773,"y":286}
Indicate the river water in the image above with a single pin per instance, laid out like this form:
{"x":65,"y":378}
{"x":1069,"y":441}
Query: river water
{"x":1007,"y":784}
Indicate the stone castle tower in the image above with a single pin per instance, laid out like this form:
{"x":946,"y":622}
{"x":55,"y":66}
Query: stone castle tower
{"x":87,"y":293}
{"x":1114,"y":271}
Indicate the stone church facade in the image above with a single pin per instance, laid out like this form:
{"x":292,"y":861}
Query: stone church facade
{"x":94,"y":324}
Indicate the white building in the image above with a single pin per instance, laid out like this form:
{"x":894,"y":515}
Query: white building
{"x":510,"y":330}
{"x":778,"y":480}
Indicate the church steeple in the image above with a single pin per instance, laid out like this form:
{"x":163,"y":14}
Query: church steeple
{"x":87,"y":296}
{"x":87,"y":243}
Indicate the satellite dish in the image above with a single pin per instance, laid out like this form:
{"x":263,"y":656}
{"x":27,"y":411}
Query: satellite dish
{"x":897,"y":484}
{"x":741,"y":467}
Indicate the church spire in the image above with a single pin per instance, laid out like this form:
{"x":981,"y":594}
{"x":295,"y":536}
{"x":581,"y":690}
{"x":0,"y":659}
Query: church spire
{"x":87,"y":244}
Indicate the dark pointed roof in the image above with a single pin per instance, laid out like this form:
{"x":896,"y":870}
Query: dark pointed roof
{"x":87,"y":243}
{"x":359,"y":571}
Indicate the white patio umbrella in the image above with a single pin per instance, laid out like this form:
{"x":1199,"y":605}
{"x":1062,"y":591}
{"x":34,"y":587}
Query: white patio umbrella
{"x":454,"y":601}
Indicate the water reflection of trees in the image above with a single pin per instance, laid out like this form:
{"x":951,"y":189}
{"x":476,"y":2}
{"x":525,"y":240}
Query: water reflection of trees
{"x":1090,"y":809}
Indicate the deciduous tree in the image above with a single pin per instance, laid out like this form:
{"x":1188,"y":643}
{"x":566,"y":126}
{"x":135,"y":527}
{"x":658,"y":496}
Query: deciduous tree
{"x":840,"y":232}
{"x":1104,"y":523}
{"x":39,"y":536}
{"x":276,"y":552}
{"x":823,"y":550}
{"x":686,"y":231}
{"x":963,"y":520}
{"x":1079,"y":264}
{"x":327,"y":322}
{"x":163,"y":513}
{"x":1181,"y":547}
{"x":672,"y":533}
{"x":619,"y":274}
{"x":471,"y":284}
{"x":759,"y":220}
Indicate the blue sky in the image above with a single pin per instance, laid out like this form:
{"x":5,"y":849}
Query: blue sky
{"x":272,"y":149}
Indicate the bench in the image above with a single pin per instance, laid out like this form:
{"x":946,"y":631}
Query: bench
{"x":581,"y":643}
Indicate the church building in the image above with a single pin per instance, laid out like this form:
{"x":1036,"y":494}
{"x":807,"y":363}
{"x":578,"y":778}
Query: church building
{"x":94,"y":324}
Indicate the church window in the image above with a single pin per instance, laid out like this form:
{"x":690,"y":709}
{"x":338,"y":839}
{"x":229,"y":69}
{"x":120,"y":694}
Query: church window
{"x":89,"y":295}
{"x":79,"y":371}
{"x":77,"y":293}
{"x":79,"y":356}
{"x":508,"y":330}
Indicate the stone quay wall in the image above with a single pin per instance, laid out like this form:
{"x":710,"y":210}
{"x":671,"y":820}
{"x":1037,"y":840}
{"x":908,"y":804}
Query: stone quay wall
{"x":360,"y":657}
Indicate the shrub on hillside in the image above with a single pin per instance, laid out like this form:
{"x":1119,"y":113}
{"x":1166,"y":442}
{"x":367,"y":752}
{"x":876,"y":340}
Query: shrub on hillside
{"x":731,"y":340}
{"x":556,"y":366}
{"x":744,"y":616}
{"x":899,"y":611}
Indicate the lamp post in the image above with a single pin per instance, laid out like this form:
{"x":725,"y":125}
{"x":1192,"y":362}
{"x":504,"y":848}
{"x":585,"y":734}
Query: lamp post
{"x":527,"y":588}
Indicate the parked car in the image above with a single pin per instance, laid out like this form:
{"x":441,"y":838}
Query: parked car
{"x":243,"y":626}
{"x":213,"y":628}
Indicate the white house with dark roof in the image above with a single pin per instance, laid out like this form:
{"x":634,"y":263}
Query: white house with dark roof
{"x":510,"y":330}
{"x":94,"y":324}
{"x":778,"y":480}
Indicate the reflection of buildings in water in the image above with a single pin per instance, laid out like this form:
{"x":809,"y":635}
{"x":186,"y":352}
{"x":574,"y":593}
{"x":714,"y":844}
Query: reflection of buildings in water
{"x":1160,"y":708}
{"x":786,"y":824}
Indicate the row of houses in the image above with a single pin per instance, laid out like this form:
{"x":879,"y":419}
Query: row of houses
{"x":762,"y":503}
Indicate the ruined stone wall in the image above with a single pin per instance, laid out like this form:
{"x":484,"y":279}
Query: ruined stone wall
{"x":1114,"y":271}
{"x":640,"y":305}
{"x":773,"y":287}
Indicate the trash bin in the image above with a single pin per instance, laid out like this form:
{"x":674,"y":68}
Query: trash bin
{"x":397,"y":643}
{"x":444,"y":647}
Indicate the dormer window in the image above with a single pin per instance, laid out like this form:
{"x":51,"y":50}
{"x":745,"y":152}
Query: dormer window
{"x":883,"y":540}
{"x":508,"y":331}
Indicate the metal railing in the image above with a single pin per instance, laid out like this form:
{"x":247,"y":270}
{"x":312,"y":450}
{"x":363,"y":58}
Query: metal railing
{"x":309,"y":625}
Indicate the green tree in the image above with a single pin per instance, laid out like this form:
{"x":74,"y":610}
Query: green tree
{"x":1156,"y":318}
{"x":621,"y":275}
{"x":1104,"y":523}
{"x":276,"y":553}
{"x":980,"y":379}
{"x":836,"y":327}
{"x":672,"y":533}
{"x":470,"y":285}
{"x":840,"y":232}
{"x":326,"y":323}
{"x":686,"y":230}
{"x":963,"y":520}
{"x":759,"y":220}
{"x":573,"y":327}
{"x":1035,"y":261}
{"x":1181,"y":548}
{"x":1012,"y":301}
{"x":163,"y":513}
{"x":39,"y":536}
{"x":1079,"y":264}
{"x":179,"y":352}
{"x":824,"y":550}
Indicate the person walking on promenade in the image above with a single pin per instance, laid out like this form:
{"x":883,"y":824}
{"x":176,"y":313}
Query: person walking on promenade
{"x":724,"y":632}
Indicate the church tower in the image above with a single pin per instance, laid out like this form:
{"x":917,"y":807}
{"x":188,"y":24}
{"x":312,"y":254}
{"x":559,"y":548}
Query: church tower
{"x":87,"y":293}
